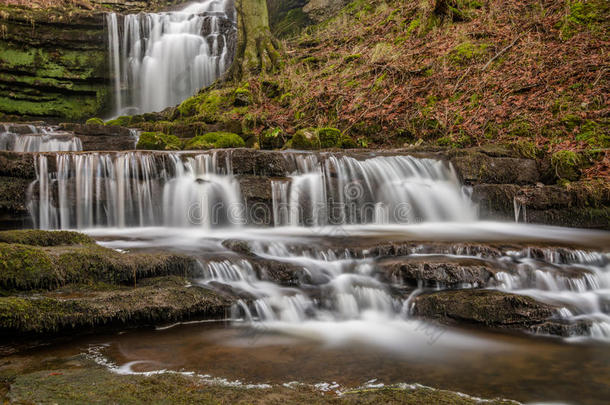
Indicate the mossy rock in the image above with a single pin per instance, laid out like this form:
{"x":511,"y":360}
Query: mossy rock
{"x":215,"y":140}
{"x":329,"y":137}
{"x":158,"y":141}
{"x":568,"y":164}
{"x":347,"y":142}
{"x":94,"y":121}
{"x":44,"y":238}
{"x":24,"y":268}
{"x":242,"y":97}
{"x":273,"y":138}
{"x":123,"y":121}
{"x":305,"y":139}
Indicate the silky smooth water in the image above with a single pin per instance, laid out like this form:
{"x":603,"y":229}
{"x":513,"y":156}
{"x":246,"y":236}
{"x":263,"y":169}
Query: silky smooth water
{"x":157,"y":60}
{"x":37,"y":139}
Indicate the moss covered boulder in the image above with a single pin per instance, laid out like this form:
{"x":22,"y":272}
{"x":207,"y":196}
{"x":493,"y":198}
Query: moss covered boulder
{"x":273,"y":138}
{"x":305,"y":139}
{"x":158,"y":141}
{"x":26,"y":267}
{"x":215,"y":140}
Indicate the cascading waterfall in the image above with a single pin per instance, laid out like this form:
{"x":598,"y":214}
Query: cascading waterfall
{"x":37,"y":139}
{"x":133,"y":189}
{"x":139,"y":189}
{"x":577,"y":283}
{"x":344,"y":190}
{"x":164,"y":58}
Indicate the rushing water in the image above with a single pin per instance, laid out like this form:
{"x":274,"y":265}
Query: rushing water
{"x":158,"y":60}
{"x":341,"y":197}
{"x":30,"y":138}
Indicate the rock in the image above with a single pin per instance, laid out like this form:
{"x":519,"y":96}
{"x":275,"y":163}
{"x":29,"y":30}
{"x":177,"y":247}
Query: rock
{"x":581,"y":205}
{"x":45,"y":238}
{"x":489,"y":308}
{"x":162,"y":301}
{"x":238,"y":246}
{"x":54,"y":64}
{"x":19,"y":165}
{"x":256,"y":191}
{"x":24,"y":268}
{"x":102,"y":137}
{"x":85,"y":382}
{"x":475,"y":167}
{"x":437,"y":270}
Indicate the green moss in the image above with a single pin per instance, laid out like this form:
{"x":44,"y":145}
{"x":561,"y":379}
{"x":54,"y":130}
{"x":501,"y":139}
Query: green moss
{"x":44,"y":238}
{"x":215,"y":140}
{"x":273,"y":138}
{"x":329,"y":137}
{"x":594,"y":133}
{"x":527,"y":149}
{"x":123,"y":121}
{"x":305,"y":139}
{"x":467,"y":52}
{"x":352,"y":58}
{"x":311,"y":61}
{"x":242,"y":97}
{"x":62,"y":83}
{"x":589,"y":14}
{"x":158,"y":141}
{"x":24,"y":267}
{"x":347,"y":142}
{"x":520,"y":129}
{"x":567,"y":164}
{"x":94,"y":121}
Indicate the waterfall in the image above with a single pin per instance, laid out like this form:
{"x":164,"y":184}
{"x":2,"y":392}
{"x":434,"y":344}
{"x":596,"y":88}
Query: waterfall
{"x":577,"y":284}
{"x":173,"y":189}
{"x":29,"y":138}
{"x":164,"y":58}
{"x":133,"y":190}
{"x":344,"y":190}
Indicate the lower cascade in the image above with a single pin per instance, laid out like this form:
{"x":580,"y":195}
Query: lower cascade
{"x":158,"y":60}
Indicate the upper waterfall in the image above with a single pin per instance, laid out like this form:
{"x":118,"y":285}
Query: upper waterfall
{"x":157,"y":60}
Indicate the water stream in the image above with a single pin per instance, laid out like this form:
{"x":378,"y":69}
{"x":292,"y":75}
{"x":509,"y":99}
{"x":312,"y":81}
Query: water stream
{"x":328,"y":218}
{"x":30,"y":138}
{"x":157,"y":60}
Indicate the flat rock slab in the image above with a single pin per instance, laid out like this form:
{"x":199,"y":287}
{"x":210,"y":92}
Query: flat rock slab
{"x":159,"y":301}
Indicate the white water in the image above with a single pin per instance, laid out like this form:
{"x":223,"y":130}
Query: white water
{"x":195,"y":202}
{"x":157,"y":60}
{"x":343,"y":190}
{"x":29,"y":138}
{"x":132,"y":189}
{"x":578,"y":284}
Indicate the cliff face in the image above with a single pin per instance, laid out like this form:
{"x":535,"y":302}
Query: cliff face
{"x":52,"y":65}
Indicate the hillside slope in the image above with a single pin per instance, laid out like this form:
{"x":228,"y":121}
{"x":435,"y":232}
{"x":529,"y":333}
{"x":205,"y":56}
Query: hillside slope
{"x":449,"y":73}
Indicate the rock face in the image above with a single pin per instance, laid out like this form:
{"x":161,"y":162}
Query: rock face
{"x":484,"y":307}
{"x":435,"y":271}
{"x":53,"y":65}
